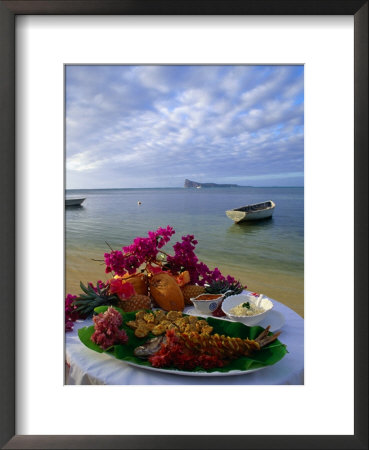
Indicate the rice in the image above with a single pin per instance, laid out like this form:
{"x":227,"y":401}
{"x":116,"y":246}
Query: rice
{"x":246,"y":309}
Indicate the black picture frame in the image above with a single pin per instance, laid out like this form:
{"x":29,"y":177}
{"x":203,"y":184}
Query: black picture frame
{"x":8,"y":12}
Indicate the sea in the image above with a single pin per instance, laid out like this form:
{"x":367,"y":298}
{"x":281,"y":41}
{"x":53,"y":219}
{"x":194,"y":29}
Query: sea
{"x":267,"y":256}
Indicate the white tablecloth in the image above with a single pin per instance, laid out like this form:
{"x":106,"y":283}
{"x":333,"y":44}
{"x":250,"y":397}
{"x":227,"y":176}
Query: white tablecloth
{"x":85,"y":366}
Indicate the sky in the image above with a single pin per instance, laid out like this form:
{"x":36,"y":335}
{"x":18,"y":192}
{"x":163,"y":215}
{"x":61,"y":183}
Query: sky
{"x":154,"y":126}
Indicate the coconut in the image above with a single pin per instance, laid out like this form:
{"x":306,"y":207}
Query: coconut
{"x":165,"y":292}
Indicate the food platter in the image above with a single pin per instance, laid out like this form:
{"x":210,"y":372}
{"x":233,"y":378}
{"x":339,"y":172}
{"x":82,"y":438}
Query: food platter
{"x":267,"y":356}
{"x":194,"y":374}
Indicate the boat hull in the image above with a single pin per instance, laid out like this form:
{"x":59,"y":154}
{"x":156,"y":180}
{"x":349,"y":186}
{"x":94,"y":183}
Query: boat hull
{"x":245,"y":213}
{"x":74,"y":201}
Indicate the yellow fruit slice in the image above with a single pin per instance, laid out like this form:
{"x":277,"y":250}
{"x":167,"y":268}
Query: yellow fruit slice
{"x":138,"y":281}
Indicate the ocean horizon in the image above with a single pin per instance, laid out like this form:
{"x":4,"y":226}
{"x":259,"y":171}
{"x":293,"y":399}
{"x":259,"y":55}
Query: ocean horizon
{"x":177,"y":187}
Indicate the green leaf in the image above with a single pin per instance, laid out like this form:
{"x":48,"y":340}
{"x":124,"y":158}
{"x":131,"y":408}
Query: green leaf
{"x":82,"y":301}
{"x":103,"y":308}
{"x":267,"y":356}
{"x":84,"y":310}
{"x":85,"y":334}
{"x":82,"y":297}
{"x":83,"y":287}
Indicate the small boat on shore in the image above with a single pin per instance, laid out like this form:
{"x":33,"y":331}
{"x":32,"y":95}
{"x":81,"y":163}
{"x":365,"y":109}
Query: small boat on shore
{"x":257,"y":211}
{"x":74,"y":201}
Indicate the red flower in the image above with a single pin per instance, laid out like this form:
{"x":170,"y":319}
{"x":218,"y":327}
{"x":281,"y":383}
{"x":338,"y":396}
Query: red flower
{"x":123,"y":289}
{"x":154,"y":270}
{"x":107,"y":331}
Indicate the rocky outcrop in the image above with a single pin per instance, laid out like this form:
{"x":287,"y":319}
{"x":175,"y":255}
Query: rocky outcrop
{"x":196,"y":184}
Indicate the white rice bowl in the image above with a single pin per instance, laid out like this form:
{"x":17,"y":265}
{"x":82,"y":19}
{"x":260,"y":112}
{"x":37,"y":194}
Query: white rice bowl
{"x":259,"y":309}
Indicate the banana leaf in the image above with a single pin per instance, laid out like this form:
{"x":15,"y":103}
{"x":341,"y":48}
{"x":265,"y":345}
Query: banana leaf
{"x":267,"y":356}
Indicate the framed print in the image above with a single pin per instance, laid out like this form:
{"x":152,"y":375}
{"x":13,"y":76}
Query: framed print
{"x":162,"y":268}
{"x":50,"y":51}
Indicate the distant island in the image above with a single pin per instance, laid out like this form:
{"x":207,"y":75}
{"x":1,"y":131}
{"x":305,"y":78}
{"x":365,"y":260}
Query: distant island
{"x":195,"y":184}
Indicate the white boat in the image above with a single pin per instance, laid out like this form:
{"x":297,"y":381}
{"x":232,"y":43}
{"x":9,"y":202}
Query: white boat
{"x":256,"y":211}
{"x":74,"y":201}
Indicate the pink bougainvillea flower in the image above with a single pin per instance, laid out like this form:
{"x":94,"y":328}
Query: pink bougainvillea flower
{"x":71,"y":313}
{"x":145,"y":251}
{"x":69,"y":325}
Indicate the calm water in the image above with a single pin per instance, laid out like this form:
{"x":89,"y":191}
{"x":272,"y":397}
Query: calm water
{"x":268,"y":256}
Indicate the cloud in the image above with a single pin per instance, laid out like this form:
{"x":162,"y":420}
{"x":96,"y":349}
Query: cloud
{"x":153,"y":126}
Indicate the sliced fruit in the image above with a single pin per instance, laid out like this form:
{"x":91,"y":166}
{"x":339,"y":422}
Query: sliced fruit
{"x":139,"y":282}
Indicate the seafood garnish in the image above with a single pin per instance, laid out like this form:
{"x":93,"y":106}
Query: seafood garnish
{"x":190,"y":350}
{"x":227,"y":347}
{"x":158,"y":322}
{"x":149,"y":348}
{"x":263,"y":339}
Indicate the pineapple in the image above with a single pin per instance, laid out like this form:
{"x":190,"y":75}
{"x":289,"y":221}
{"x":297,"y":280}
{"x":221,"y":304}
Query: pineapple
{"x":191,"y":291}
{"x":224,"y":287}
{"x":87,"y":302}
{"x":135,"y":302}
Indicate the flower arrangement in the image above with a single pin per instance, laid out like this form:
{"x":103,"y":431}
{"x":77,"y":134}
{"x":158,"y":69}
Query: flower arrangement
{"x":144,"y":268}
{"x":107,"y":332}
{"x":147,"y":251}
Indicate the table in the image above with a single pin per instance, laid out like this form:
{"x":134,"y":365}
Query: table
{"x":88,"y":367}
